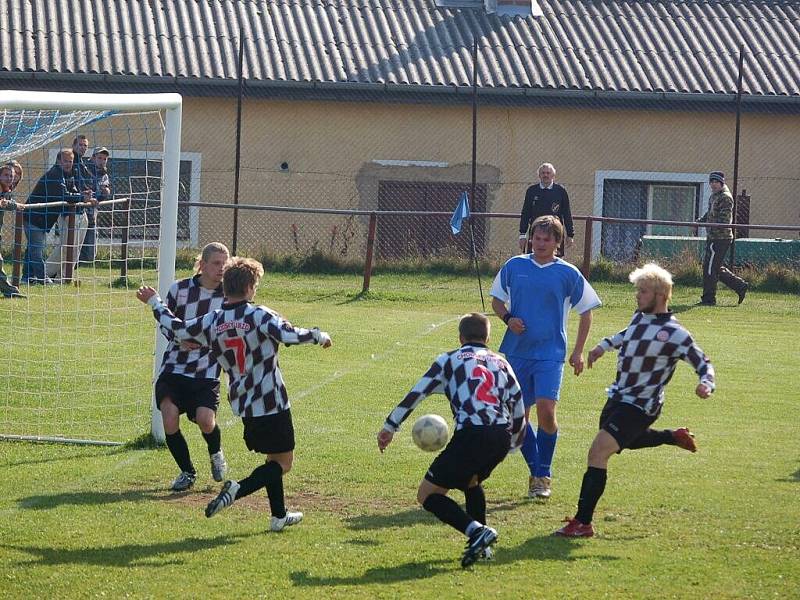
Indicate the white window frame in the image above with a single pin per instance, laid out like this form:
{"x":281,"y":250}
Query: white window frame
{"x":196,"y":160}
{"x":601,"y":176}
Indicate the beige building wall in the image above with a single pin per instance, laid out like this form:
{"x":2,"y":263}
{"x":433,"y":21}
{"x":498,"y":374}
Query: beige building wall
{"x":336,"y":153}
{"x":331,"y":149}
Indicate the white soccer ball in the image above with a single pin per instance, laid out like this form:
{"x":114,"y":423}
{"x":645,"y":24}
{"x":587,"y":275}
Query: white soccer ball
{"x":430,"y":433}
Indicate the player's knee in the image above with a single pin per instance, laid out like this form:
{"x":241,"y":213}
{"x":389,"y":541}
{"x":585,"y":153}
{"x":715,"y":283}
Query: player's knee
{"x":170,"y":417}
{"x":205,"y":421}
{"x":285,"y":461}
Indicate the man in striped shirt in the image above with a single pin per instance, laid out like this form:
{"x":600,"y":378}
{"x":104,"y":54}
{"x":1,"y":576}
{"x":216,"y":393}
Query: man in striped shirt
{"x":649,"y":350}
{"x":244,"y":339}
{"x":487,"y":405}
{"x":189,"y":378}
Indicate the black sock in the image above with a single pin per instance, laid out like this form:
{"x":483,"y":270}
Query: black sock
{"x":253,"y":482}
{"x":213,"y":439}
{"x":447,"y":511}
{"x":275,"y":489}
{"x":180,"y":451}
{"x":593,"y":486}
{"x":476,"y":503}
{"x":651,"y":438}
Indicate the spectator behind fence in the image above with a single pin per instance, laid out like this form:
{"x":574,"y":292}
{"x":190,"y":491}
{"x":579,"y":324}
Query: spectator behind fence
{"x":546,"y":198}
{"x":80,"y":170}
{"x":82,"y":178}
{"x":101,"y":186}
{"x":720,"y":210}
{"x":56,"y":185}
{"x":10,"y":175}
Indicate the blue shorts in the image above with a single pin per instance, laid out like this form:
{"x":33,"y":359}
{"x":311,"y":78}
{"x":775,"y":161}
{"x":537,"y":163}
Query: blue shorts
{"x":537,"y":378}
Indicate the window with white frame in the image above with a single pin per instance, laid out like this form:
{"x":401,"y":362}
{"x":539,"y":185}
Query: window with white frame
{"x":643,"y":195}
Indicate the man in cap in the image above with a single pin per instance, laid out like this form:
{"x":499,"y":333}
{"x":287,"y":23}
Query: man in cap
{"x":101,"y":186}
{"x":720,"y":210}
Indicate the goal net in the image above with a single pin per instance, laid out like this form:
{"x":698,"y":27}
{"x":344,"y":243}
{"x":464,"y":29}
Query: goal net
{"x":79,"y":348}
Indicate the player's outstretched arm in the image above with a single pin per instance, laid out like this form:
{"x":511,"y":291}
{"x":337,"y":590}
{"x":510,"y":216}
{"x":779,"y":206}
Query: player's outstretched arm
{"x":284,"y":332}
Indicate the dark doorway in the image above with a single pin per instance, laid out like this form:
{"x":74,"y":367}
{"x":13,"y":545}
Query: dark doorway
{"x":410,"y":236}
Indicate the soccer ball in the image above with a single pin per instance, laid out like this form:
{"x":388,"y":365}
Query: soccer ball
{"x":430,"y":433}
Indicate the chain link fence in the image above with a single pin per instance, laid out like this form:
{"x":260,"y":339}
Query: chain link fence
{"x":330,"y":163}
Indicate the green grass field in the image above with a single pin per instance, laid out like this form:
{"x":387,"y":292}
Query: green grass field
{"x":91,"y":521}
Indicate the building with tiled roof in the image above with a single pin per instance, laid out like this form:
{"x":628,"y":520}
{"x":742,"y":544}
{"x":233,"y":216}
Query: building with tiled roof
{"x":350,"y":102}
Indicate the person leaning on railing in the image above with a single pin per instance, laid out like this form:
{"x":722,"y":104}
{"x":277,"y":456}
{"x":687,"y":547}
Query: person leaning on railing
{"x":10,"y":175}
{"x":101,"y":186}
{"x":56,"y":185}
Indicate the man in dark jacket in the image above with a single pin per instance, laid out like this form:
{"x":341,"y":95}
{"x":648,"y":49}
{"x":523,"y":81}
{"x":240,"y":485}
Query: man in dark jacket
{"x":720,"y":210}
{"x":56,"y":185}
{"x":546,"y":198}
{"x":101,"y":186}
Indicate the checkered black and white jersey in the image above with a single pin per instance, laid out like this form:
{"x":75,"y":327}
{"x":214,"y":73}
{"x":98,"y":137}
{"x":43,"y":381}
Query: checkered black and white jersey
{"x":244,"y":339}
{"x":480,"y":385}
{"x":649,"y":350}
{"x":187,"y":299}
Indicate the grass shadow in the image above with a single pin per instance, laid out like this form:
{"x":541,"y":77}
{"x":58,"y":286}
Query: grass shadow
{"x":549,"y":547}
{"x":126,"y":555}
{"x":545,"y":547}
{"x":416,"y":516}
{"x":411,"y":571}
{"x":79,"y":454}
{"x":84,"y":498}
{"x":362,"y":295}
{"x":679,"y":308}
{"x":793,"y":478}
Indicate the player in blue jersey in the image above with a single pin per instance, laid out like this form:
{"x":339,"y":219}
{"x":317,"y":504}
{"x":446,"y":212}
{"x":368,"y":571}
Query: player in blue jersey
{"x":533,"y":294}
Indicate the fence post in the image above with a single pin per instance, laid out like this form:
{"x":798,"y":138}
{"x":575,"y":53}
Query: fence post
{"x":126,"y":221}
{"x":68,"y":242}
{"x":17,"y":251}
{"x":373,"y":220}
{"x":587,"y":248}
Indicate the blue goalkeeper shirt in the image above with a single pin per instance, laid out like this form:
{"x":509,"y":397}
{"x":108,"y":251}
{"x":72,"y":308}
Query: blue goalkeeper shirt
{"x":541,"y":295}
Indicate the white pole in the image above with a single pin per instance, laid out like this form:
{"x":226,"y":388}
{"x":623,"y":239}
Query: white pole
{"x":168,"y":237}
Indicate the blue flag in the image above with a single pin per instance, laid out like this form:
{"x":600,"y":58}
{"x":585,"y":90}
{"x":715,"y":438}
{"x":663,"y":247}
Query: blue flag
{"x":461,"y":212}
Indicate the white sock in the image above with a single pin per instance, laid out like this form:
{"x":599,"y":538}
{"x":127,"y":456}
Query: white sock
{"x":472,"y":528}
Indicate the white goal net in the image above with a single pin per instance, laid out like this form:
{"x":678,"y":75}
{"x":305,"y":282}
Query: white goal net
{"x":79,"y":235}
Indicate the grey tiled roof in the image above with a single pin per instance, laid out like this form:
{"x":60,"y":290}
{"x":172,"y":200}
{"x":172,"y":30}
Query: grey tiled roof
{"x":607,"y":46}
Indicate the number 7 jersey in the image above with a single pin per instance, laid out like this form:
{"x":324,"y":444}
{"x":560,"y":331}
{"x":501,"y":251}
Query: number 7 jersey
{"x":244,"y":339}
{"x":480,"y":385}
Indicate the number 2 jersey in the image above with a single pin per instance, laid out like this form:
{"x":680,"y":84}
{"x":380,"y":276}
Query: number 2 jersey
{"x":480,"y":385}
{"x":244,"y":339}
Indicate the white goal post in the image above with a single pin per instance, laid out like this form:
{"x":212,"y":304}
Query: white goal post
{"x":25,"y":103}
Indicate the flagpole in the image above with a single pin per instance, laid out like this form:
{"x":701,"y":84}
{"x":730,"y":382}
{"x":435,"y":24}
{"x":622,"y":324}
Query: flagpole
{"x":471,"y":199}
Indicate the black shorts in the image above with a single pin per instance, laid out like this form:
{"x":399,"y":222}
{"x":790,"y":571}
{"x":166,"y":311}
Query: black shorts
{"x":187,"y":393}
{"x":471,"y":451}
{"x":269,"y":434}
{"x":624,"y":422}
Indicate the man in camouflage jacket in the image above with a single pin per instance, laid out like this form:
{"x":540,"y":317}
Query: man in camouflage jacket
{"x":720,"y":210}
